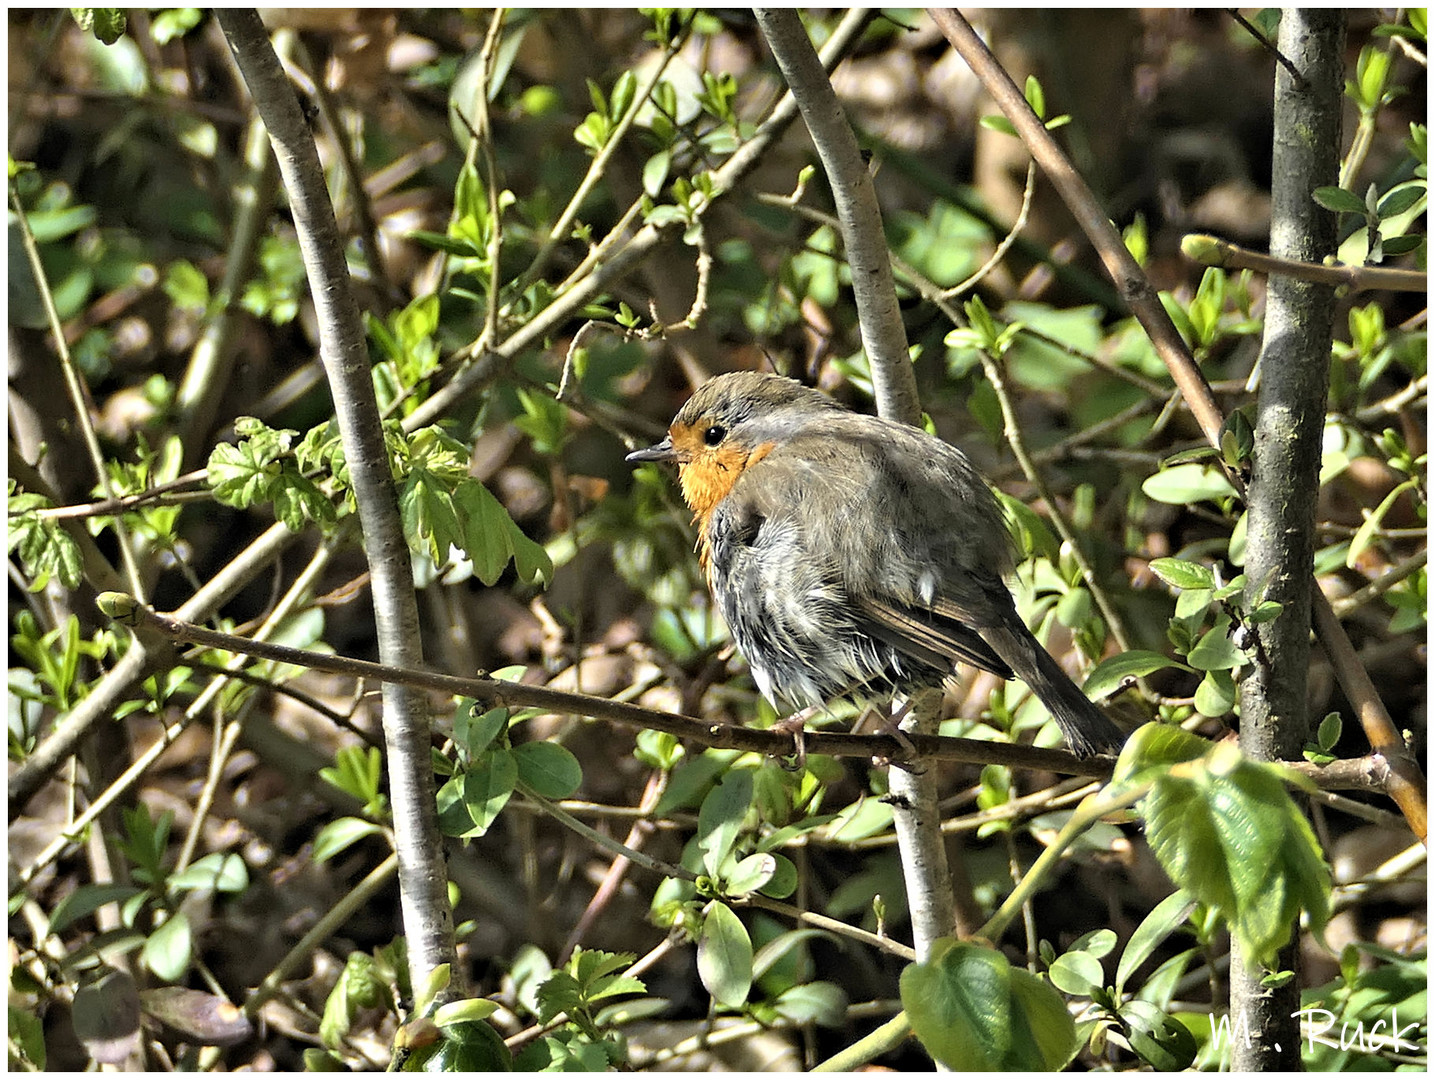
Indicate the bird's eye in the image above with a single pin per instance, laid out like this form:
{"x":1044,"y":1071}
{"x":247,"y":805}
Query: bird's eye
{"x":714,"y":435}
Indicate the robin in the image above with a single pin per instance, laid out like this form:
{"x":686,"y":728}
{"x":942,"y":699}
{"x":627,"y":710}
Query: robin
{"x":854,"y":557}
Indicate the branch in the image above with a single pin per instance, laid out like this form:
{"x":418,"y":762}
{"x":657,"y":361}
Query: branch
{"x":1130,"y":280}
{"x":428,"y":919}
{"x":565,"y":307}
{"x":885,"y":339}
{"x":1213,"y":251}
{"x":1197,"y":391}
{"x":496,"y":693}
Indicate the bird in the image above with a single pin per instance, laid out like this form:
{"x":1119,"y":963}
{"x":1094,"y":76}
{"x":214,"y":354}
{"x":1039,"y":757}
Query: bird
{"x":854,"y":557}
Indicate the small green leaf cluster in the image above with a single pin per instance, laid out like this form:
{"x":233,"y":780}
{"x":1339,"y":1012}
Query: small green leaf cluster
{"x":276,"y":293}
{"x":150,"y":912}
{"x":150,"y":522}
{"x":733,"y":859}
{"x":1390,"y":212}
{"x":1379,"y":225}
{"x":582,"y":994}
{"x":983,"y":332}
{"x":51,"y":677}
{"x":407,"y":339}
{"x":1221,"y":649}
{"x":44,"y":548}
{"x":443,"y":509}
{"x":765,"y":970}
{"x":599,"y":125}
{"x":1138,"y":1018}
{"x":1036,"y":98}
{"x":1375,"y":1011}
{"x":1371,"y":353}
{"x":1219,"y":311}
{"x":1403,"y":462}
{"x":107,"y":24}
{"x":486,"y":768}
{"x":369,"y":982}
{"x":81,"y":257}
{"x":691,"y":197}
{"x":267,"y":465}
{"x":476,"y":227}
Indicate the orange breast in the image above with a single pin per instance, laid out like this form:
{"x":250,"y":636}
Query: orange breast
{"x":708,"y":477}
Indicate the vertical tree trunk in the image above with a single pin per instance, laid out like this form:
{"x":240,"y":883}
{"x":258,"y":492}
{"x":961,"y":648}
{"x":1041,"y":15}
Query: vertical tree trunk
{"x":1290,"y":421}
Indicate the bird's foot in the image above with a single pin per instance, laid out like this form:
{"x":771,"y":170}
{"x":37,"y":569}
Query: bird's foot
{"x":796,"y":726}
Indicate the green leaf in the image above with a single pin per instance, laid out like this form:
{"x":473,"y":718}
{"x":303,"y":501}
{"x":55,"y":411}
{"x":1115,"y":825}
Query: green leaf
{"x":624,"y":90}
{"x":356,"y":771}
{"x":1339,"y":200}
{"x":1163,"y":1042}
{"x":1157,"y":746}
{"x":548,"y":768}
{"x":1400,"y":200}
{"x":1035,"y":97}
{"x":1108,"y":675}
{"x":1216,"y":651}
{"x":85,"y":900}
{"x":1226,"y":831}
{"x":974,"y":1012}
{"x":1077,"y":973}
{"x":1159,"y":924}
{"x":217,"y":871}
{"x":784,"y":880}
{"x":487,"y":788}
{"x":1216,"y":694}
{"x":1365,"y":535}
{"x":750,"y":874}
{"x":167,"y":951}
{"x":655,"y":172}
{"x":1184,"y":484}
{"x":107,"y":24}
{"x":1182,"y":574}
{"x":469,"y":1009}
{"x":339,"y":835}
{"x":1328,"y":734}
{"x":721,"y":816}
{"x":172,"y":23}
{"x":186,"y":286}
{"x":27,"y":1036}
{"x":1033,"y":534}
{"x":485,"y":525}
{"x":725,"y":956}
{"x":864,"y":818}
{"x":813,"y":1003}
{"x":43,"y":547}
{"x":1401,"y":245}
{"x":997,"y":123}
{"x":459,"y":246}
{"x":467,"y":1047}
{"x":477,"y":733}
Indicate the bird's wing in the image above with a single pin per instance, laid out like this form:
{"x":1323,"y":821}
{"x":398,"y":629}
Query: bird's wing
{"x":818,"y":476}
{"x":928,"y":635}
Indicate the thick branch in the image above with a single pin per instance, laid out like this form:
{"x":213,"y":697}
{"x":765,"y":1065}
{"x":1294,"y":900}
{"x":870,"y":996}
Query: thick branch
{"x":874,"y":291}
{"x":428,"y":920}
{"x":1290,"y":421}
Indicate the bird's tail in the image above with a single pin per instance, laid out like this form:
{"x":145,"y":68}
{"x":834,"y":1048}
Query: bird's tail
{"x":1086,"y":728}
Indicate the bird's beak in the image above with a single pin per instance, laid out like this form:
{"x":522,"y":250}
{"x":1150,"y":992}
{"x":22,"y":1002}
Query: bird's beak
{"x":662,"y":451}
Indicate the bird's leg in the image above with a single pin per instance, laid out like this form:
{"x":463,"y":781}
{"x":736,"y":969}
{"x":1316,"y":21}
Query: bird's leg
{"x":796,"y":726}
{"x":890,"y":724}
